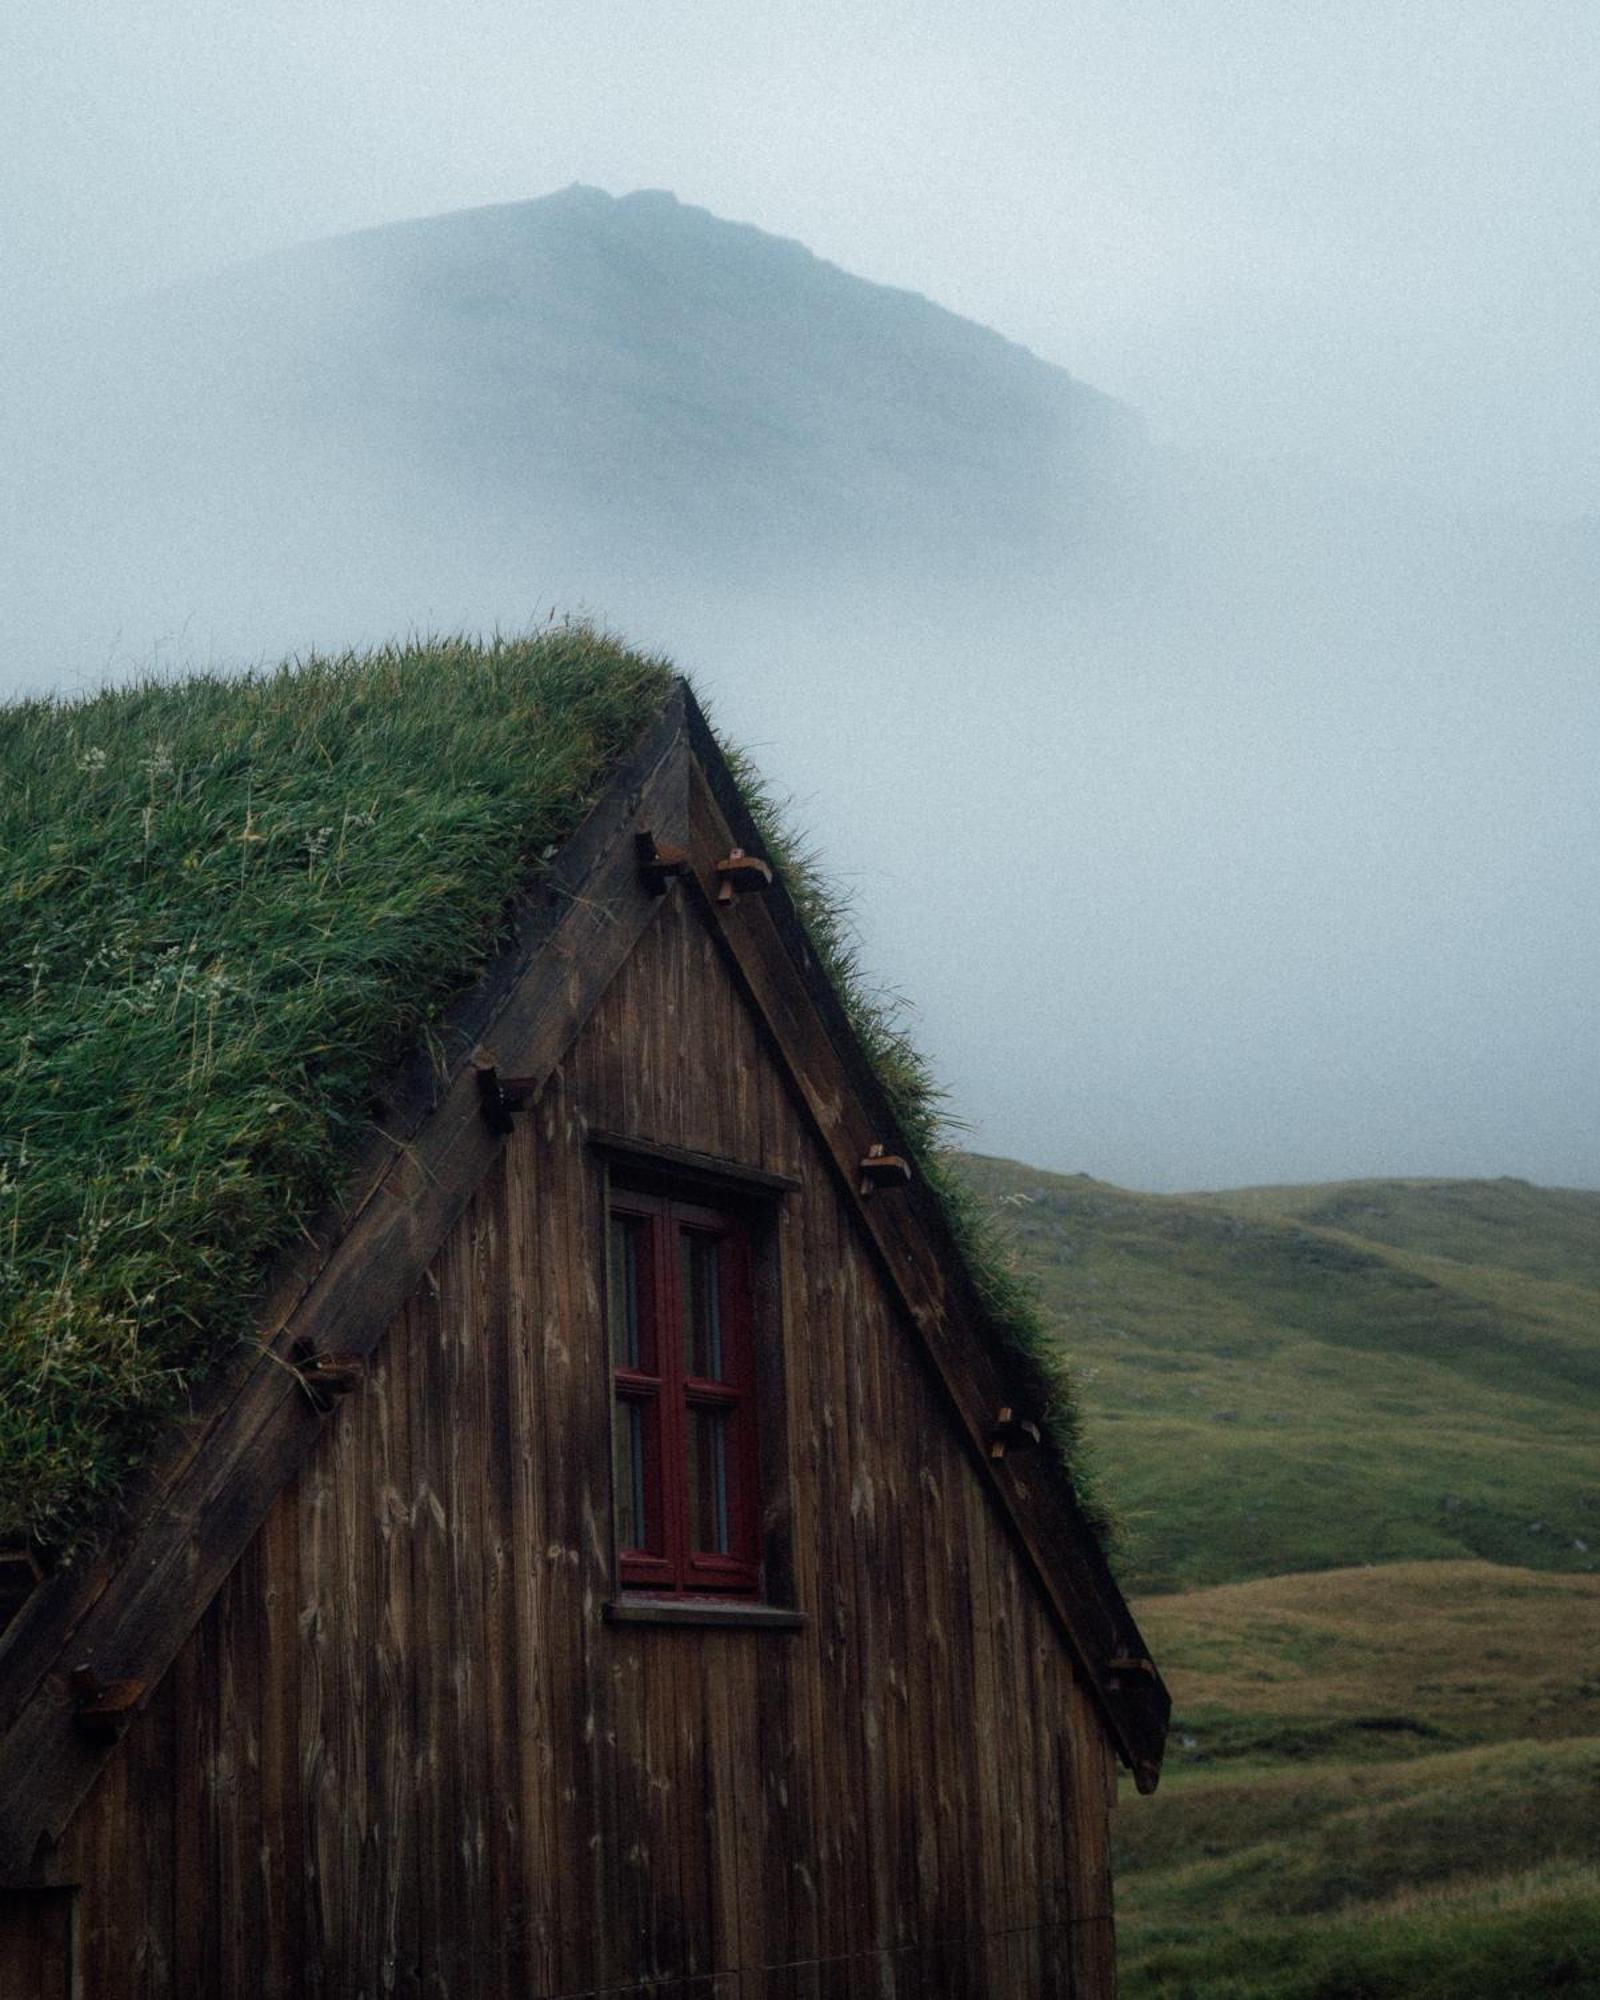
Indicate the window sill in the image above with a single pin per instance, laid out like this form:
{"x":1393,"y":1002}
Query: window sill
{"x":727,"y":1612}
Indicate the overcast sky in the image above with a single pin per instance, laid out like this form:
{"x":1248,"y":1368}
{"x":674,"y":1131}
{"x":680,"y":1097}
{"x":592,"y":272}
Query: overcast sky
{"x":1364,"y":231}
{"x":1326,"y":903}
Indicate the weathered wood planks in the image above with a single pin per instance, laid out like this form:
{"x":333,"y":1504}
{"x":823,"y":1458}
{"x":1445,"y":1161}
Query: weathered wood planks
{"x":439,"y":1770}
{"x":36,"y":1944}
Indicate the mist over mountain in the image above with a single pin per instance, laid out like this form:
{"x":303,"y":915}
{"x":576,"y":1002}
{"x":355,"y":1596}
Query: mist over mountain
{"x":565,"y":387}
{"x":1227,"y":822}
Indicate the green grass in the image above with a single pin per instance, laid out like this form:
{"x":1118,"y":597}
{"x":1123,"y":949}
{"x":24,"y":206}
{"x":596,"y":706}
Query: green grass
{"x":1272,"y":1396}
{"x":1398,"y":1660}
{"x":1381,"y":1781}
{"x":1311,"y":1840}
{"x":228,"y":904}
{"x":1509,"y":1938}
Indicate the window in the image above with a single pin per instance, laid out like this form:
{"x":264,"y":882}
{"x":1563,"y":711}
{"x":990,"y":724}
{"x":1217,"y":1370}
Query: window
{"x":683,"y":1412}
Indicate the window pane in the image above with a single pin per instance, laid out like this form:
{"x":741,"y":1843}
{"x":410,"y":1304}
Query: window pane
{"x":627,"y":1449}
{"x":627,"y":1245}
{"x":708,"y":1480}
{"x":699,"y":1265}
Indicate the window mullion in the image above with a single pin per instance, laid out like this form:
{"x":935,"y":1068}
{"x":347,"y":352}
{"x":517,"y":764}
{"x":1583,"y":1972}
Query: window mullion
{"x":740,"y":1337}
{"x":674,"y":1413}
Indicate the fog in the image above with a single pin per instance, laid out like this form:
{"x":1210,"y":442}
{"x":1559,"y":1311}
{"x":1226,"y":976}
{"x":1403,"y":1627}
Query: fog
{"x":1220,"y":789}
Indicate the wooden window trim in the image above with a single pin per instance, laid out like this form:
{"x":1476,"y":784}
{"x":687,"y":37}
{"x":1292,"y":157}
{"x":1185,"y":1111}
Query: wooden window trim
{"x":677,"y":1166}
{"x":729,"y":1612}
{"x":658,"y":1380}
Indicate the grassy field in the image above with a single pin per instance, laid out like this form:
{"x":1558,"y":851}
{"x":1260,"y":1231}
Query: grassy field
{"x":1382,"y":1781}
{"x":1394,"y":1660}
{"x":1274,"y":1395}
{"x":1350,"y":1432}
{"x":1516,"y":1938}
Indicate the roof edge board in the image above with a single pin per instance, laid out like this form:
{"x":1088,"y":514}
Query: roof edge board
{"x":1135,"y":1705}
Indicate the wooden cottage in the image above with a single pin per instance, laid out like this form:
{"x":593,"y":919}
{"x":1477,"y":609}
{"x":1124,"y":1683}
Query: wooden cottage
{"x":624,"y":1560}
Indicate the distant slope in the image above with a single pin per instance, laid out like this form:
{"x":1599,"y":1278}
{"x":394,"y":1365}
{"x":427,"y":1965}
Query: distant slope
{"x":1274,"y":1396}
{"x":1546,"y":1232}
{"x":632,"y":375}
{"x":1384,"y":1772}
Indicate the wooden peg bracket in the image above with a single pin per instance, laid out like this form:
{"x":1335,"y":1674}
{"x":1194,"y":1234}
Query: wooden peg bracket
{"x":1011,"y":1432}
{"x":327,"y":1376}
{"x":1128,"y":1663}
{"x":739,"y":874}
{"x":501,"y":1097}
{"x":881,"y":1169}
{"x":102,"y":1709}
{"x":660,"y":861}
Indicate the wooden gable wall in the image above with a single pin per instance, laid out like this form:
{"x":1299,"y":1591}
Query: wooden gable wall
{"x":404,"y":1751}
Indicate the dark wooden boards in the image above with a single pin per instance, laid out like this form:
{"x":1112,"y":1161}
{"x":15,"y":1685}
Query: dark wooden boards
{"x":442,"y":1769}
{"x":36,"y":1954}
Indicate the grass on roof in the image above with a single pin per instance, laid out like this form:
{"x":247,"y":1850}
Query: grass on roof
{"x":230,"y":904}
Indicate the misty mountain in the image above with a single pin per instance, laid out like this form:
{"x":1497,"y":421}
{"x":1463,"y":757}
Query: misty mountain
{"x":580,"y":394}
{"x":1228,"y":822}
{"x":592,"y":379}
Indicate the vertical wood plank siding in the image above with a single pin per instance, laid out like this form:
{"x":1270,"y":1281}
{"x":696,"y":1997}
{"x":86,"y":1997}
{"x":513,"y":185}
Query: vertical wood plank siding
{"x":36,"y":1944}
{"x":404,"y":1753}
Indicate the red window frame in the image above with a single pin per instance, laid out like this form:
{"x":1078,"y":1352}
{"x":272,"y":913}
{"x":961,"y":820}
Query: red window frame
{"x":680,"y":1322}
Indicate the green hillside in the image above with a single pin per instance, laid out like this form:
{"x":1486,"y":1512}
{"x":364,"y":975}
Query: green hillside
{"x":1399,"y":1660}
{"x":1382,"y":1781}
{"x":1272,"y":1393}
{"x":1544,"y":1232}
{"x":1350,"y":1432}
{"x":584,"y":372}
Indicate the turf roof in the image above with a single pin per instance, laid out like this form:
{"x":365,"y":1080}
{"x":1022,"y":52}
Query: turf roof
{"x":231,"y":903}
